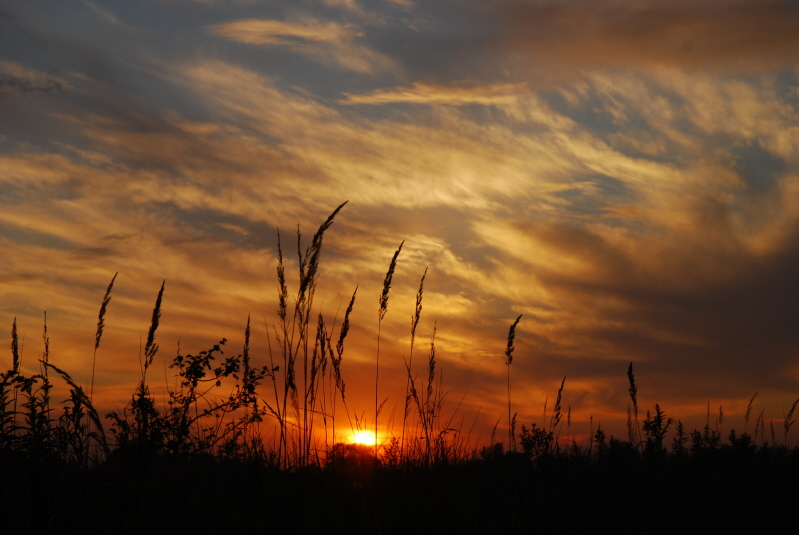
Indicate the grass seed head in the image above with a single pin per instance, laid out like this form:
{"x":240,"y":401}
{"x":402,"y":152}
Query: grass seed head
{"x":511,"y":335}
{"x":387,"y":282}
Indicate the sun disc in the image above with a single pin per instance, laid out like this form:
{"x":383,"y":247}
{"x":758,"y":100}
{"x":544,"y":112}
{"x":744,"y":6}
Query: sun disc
{"x":363,"y":437}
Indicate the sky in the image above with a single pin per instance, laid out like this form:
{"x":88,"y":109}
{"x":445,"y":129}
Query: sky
{"x":623,"y":175}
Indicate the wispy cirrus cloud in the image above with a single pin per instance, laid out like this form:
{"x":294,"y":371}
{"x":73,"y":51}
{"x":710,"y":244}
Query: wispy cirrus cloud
{"x":323,"y":41}
{"x":455,"y":95}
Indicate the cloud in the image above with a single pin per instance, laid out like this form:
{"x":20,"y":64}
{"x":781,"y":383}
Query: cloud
{"x":325,"y":42}
{"x":625,"y":214}
{"x":450,"y":159}
{"x":424,"y":93}
{"x":741,"y":36}
{"x":104,"y":14}
{"x":18,"y":80}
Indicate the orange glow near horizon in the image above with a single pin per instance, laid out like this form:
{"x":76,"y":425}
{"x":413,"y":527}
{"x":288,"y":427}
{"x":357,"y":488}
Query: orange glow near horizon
{"x":367,"y":438}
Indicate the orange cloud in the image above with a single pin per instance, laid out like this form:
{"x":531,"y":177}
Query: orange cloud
{"x":18,"y":80}
{"x":325,"y":42}
{"x":423,"y":93}
{"x":742,"y":36}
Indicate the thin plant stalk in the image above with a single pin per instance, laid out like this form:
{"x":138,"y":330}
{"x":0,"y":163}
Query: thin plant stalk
{"x":633,"y":427}
{"x":748,"y":412}
{"x":414,"y":324}
{"x":15,"y":364}
{"x":46,"y":359}
{"x":381,"y":314}
{"x":508,"y":360}
{"x":336,"y":363}
{"x":99,"y":333}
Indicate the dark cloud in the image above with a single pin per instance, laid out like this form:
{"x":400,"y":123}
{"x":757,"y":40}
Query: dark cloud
{"x":734,"y":37}
{"x":12,"y":85}
{"x":28,"y":235}
{"x":94,"y":253}
{"x":740,"y":325}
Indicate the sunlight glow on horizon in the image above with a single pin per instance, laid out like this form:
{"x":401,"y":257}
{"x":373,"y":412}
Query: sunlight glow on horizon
{"x":366,"y":438}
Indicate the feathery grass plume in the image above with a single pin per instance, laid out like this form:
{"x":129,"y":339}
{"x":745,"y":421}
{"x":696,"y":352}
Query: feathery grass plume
{"x":749,"y":411}
{"x":99,"y":435}
{"x":788,"y":422}
{"x":282,"y":312}
{"x":318,"y":364}
{"x":335,"y":361}
{"x":99,"y":333}
{"x":308,"y":271}
{"x":8,"y":388}
{"x":293,"y":339}
{"x":308,"y":275}
{"x":46,"y":359}
{"x":151,"y":348}
{"x":276,"y":410}
{"x":14,"y":348}
{"x":513,"y":431}
{"x":557,"y":415}
{"x":14,"y":372}
{"x":414,"y":324}
{"x":289,"y":384}
{"x":508,"y":360}
{"x":148,"y":420}
{"x":245,"y":361}
{"x":431,"y":366}
{"x":46,"y":340}
{"x":633,"y":427}
{"x":430,"y":405}
{"x":759,"y":425}
{"x":38,"y":436}
{"x":418,"y":312}
{"x":387,"y":282}
{"x":283,"y":293}
{"x":309,"y":263}
{"x":568,"y":422}
{"x":248,"y":392}
{"x":380,"y":315}
{"x":249,"y":395}
{"x":345,"y":329}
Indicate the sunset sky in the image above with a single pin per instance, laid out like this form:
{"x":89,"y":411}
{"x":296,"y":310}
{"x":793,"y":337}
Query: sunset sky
{"x":623,"y":174}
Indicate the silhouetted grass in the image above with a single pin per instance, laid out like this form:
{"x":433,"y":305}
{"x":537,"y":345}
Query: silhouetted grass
{"x":202,"y":460}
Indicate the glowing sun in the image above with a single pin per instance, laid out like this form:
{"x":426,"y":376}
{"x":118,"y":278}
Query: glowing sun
{"x":363,"y":437}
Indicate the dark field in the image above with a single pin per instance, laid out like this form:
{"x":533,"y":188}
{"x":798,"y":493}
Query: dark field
{"x":616,"y":491}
